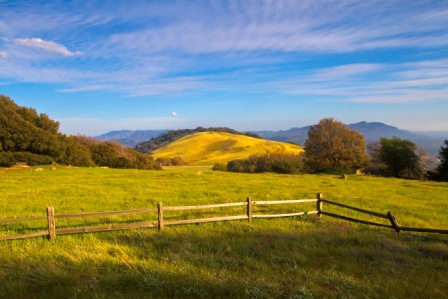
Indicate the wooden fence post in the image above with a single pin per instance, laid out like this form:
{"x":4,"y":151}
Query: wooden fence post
{"x":249,"y":209}
{"x":393,"y":221}
{"x":51,"y":223}
{"x":319,"y":205}
{"x":160,"y":212}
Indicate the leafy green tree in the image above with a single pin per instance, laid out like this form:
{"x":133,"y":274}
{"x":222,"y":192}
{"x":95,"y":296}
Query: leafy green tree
{"x":333,"y":147}
{"x":26,"y":136}
{"x":400,"y":157}
{"x":75,"y":153}
{"x":441,"y":172}
{"x":24,"y":130}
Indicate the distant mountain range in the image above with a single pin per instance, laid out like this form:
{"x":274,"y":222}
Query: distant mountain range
{"x":130,"y":137}
{"x":372,"y":131}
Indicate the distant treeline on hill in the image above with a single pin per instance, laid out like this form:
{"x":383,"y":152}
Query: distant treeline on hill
{"x":278,"y":163}
{"x":173,"y":135}
{"x":32,"y":138}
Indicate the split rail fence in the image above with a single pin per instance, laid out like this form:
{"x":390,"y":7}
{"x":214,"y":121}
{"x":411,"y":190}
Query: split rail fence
{"x":51,"y":230}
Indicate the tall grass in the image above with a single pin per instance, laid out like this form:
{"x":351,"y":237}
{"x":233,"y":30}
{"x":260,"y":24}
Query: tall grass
{"x":301,"y":257}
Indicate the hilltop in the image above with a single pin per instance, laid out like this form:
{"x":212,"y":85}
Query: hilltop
{"x":157,"y":142}
{"x":207,"y":148}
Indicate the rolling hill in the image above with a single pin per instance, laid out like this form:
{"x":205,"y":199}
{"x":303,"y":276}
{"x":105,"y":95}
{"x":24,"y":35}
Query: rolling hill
{"x":207,"y":148}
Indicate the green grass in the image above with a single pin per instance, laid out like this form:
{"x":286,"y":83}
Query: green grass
{"x":301,"y":257}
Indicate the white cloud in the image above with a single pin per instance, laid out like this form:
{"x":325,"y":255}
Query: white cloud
{"x":162,"y":87}
{"x":3,"y":55}
{"x":87,"y":88}
{"x":422,"y":81}
{"x":174,"y":114}
{"x":336,"y":27}
{"x":403,"y":96}
{"x":47,"y":46}
{"x":24,"y":72}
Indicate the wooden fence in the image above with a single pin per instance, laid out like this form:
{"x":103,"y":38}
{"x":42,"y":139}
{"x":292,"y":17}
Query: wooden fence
{"x":51,"y":230}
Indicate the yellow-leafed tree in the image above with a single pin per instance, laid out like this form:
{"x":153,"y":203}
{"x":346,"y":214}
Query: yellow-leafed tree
{"x":333,"y":147}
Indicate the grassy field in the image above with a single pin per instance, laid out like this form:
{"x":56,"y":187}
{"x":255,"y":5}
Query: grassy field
{"x":207,"y":148}
{"x":302,"y":257}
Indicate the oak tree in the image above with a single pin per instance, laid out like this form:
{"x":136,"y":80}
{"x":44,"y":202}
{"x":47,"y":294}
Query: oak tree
{"x":441,"y":172}
{"x":401,"y":157}
{"x":333,"y":147}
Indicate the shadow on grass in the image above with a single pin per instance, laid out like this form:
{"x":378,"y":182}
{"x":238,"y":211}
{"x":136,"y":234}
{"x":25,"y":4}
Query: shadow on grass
{"x":268,"y":259}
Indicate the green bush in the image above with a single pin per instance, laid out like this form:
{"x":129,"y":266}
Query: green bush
{"x":219,"y":167}
{"x":176,"y":161}
{"x":278,"y":163}
{"x":8,"y":159}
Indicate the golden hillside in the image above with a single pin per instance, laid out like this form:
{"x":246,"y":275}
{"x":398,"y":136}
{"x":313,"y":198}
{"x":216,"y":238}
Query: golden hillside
{"x":207,"y":148}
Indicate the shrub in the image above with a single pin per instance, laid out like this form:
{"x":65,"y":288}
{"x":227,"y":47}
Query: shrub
{"x":219,"y":167}
{"x":8,"y":159}
{"x":278,"y":163}
{"x":176,"y":161}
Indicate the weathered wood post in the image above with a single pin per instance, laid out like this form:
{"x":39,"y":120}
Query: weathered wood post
{"x":393,"y":221}
{"x":319,"y":204}
{"x":51,"y":223}
{"x":249,"y":209}
{"x":160,"y":212}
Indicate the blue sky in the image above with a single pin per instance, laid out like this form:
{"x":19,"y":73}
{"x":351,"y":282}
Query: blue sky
{"x":97,"y":66}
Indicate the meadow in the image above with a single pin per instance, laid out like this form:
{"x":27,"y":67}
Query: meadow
{"x":299,"y":257}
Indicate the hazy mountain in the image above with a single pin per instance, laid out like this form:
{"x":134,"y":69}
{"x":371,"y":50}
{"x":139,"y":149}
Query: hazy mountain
{"x":372,"y":131}
{"x":130,"y":137}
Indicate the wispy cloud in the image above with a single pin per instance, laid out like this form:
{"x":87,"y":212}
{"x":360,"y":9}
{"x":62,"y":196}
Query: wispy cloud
{"x":290,"y":27}
{"x":47,"y":46}
{"x":87,"y":88}
{"x":276,"y":47}
{"x":403,"y":96}
{"x":374,"y":83}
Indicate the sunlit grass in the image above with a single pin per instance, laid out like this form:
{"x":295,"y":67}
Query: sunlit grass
{"x":302,"y":257}
{"x":207,"y":148}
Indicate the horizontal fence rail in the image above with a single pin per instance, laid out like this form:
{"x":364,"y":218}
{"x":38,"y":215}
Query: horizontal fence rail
{"x":126,"y":212}
{"x":160,"y":221}
{"x":389,"y":216}
{"x":22,"y":219}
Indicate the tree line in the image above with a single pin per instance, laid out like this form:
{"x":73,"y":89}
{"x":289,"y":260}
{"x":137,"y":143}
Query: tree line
{"x":29,"y":137}
{"x":332,"y":147}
